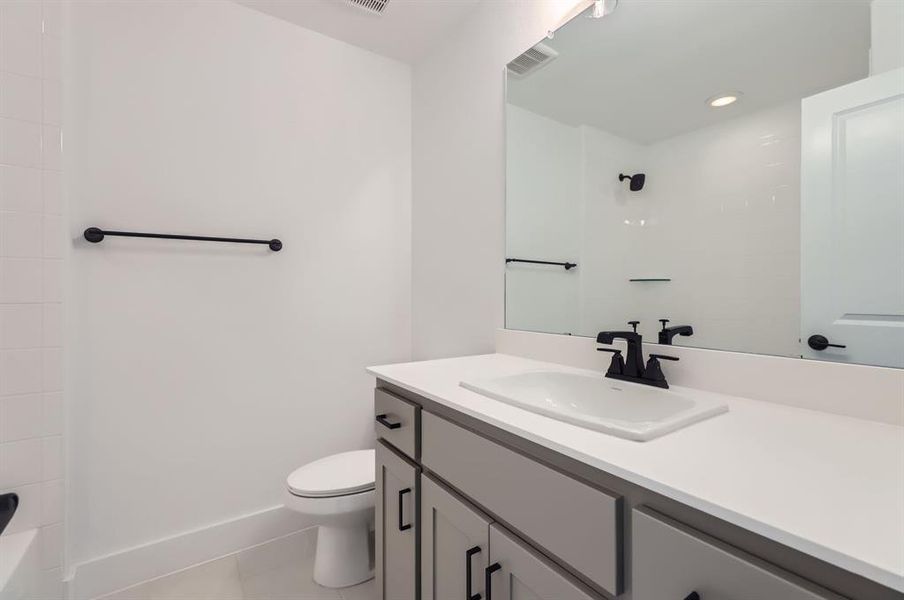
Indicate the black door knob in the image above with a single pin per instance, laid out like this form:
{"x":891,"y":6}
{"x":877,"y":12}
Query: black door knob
{"x":820,"y":342}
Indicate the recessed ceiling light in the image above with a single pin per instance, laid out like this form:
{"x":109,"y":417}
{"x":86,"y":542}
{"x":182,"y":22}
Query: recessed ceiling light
{"x":723,"y":99}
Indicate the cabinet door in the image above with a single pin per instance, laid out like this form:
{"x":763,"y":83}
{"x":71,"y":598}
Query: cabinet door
{"x":397,"y":527}
{"x":517,"y":573}
{"x":455,"y":545}
{"x":570,"y":520}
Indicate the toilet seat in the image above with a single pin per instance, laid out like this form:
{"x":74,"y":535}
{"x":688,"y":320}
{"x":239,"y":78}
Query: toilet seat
{"x":338,"y":475}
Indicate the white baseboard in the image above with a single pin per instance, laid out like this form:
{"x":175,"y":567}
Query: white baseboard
{"x":106,"y":574}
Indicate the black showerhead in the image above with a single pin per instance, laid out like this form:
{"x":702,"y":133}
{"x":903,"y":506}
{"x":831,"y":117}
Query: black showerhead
{"x":636,"y":180}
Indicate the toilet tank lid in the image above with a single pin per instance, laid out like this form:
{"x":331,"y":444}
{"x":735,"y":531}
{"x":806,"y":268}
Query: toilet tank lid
{"x":336,"y":475}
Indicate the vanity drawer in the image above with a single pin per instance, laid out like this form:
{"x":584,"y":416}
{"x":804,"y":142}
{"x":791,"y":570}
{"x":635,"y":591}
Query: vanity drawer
{"x":670,"y":561}
{"x":397,"y":421}
{"x":568,"y":519}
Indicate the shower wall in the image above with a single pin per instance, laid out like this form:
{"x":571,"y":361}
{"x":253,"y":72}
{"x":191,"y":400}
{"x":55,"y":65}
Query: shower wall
{"x":737,"y":182}
{"x":33,"y":250}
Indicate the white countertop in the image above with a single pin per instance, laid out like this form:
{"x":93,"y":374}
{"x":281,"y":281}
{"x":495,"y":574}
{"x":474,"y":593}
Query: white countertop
{"x":827,"y":485}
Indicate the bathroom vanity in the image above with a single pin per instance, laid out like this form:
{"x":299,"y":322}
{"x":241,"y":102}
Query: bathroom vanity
{"x":479,"y":499}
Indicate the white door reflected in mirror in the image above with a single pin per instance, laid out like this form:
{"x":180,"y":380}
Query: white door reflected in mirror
{"x":852,"y":222}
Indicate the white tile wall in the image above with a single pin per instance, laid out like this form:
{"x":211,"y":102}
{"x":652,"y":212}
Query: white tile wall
{"x":33,"y":246}
{"x":743,"y":298}
{"x":20,"y":189}
{"x":20,"y":97}
{"x":21,"y":417}
{"x":20,"y":326}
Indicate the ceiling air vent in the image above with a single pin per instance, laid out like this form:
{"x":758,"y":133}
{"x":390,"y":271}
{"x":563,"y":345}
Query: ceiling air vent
{"x":533,"y":59}
{"x":372,"y":6}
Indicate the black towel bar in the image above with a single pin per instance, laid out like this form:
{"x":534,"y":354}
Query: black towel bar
{"x":95,"y":235}
{"x":568,"y":266}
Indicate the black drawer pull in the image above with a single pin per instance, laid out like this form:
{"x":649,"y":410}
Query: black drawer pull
{"x":470,"y":553}
{"x":401,"y":518}
{"x":692,"y":596}
{"x":488,"y":584}
{"x":382,"y":420}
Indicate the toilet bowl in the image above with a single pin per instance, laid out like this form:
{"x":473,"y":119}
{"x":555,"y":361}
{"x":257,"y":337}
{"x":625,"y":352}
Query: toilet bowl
{"x":338,"y":491}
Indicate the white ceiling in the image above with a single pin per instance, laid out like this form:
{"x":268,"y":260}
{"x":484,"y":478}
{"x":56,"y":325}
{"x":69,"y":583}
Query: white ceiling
{"x":645,"y":71}
{"x":404,"y":31}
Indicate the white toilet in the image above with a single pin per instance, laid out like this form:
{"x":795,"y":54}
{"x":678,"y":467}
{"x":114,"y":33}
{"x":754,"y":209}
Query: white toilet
{"x":338,"y":491}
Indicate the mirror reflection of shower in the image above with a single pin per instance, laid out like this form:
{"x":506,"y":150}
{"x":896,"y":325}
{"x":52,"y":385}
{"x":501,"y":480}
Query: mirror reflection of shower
{"x":636,"y":180}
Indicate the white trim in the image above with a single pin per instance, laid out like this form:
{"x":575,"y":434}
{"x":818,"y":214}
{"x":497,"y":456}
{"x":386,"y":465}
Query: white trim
{"x":126,"y":568}
{"x":860,"y":391}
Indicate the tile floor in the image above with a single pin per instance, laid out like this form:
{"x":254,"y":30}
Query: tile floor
{"x":276,"y":571}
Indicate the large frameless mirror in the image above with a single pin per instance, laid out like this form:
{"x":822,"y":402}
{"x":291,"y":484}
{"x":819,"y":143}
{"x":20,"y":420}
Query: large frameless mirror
{"x":724,"y":174}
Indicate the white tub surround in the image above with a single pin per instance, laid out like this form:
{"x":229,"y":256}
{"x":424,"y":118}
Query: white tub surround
{"x":34,"y":291}
{"x":782,"y":472}
{"x":19,"y":565}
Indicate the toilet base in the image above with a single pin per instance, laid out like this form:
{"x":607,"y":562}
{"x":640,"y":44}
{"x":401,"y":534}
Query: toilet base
{"x":343,"y":555}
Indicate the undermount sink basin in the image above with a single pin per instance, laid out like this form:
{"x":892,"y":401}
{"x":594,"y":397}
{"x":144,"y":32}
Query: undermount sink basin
{"x":628,"y":410}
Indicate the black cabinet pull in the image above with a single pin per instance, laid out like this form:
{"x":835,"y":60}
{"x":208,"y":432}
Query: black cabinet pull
{"x":692,"y":596}
{"x":821,"y":342}
{"x":488,"y":584}
{"x":401,"y":518}
{"x":468,"y":555}
{"x":382,"y":420}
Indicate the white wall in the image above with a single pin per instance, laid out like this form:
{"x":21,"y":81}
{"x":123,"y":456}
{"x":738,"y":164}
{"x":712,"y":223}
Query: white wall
{"x":887,"y":27}
{"x":458,"y":169}
{"x":734,"y":187}
{"x":725,"y":225}
{"x":613,"y":232}
{"x":203,"y":374}
{"x":32,"y":255}
{"x":543,"y":221}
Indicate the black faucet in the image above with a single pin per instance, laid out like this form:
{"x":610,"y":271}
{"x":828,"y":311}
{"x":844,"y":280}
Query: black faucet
{"x":634,"y":358}
{"x":632,"y":367}
{"x":667,"y":333}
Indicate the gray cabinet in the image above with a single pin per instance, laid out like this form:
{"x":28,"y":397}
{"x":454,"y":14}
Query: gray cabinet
{"x":455,"y":545}
{"x":518,"y":573}
{"x":498,"y":518}
{"x":397,"y":421}
{"x":671,"y":562}
{"x":396,"y":525}
{"x":569,"y":519}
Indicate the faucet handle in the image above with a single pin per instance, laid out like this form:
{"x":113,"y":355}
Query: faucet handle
{"x":617,"y":365}
{"x":653,"y":371}
{"x":664,"y":323}
{"x":634,"y":325}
